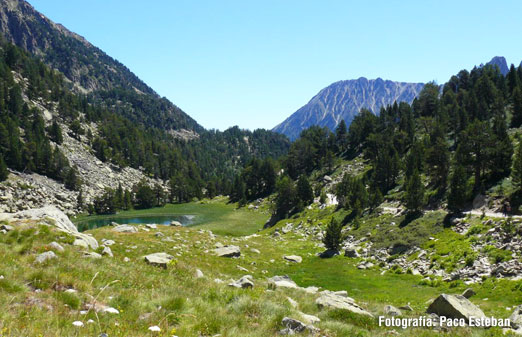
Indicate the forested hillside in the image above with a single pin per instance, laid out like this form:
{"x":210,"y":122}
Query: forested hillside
{"x":451,"y":144}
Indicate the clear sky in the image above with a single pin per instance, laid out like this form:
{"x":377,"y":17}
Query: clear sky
{"x":253,"y":63}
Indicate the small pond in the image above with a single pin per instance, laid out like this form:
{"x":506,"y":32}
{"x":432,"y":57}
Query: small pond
{"x":96,"y":222}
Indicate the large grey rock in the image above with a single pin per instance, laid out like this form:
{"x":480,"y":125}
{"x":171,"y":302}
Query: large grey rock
{"x":107,"y":251}
{"x":293,"y":258}
{"x":125,"y":229}
{"x":390,"y":310}
{"x":454,"y":306}
{"x":92,"y":255}
{"x":516,"y":317}
{"x":56,"y":246}
{"x":292,"y":326}
{"x":176,"y":223}
{"x":228,"y":251}
{"x":51,"y":216}
{"x":45,"y":256}
{"x":281,"y":282}
{"x":351,"y":252}
{"x":158,"y":259}
{"x":244,"y":282}
{"x":329,"y":299}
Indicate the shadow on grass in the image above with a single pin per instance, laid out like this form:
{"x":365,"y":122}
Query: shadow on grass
{"x":411,"y":216}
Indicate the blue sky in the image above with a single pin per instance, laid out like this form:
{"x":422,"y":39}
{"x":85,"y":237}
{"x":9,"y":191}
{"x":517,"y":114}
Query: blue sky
{"x":253,"y":63}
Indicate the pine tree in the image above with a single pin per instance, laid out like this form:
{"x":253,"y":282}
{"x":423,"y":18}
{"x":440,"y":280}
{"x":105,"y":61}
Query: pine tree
{"x":516,"y":173}
{"x":56,"y":132}
{"x":414,"y":192}
{"x":458,"y":189}
{"x":286,"y":199}
{"x":3,"y":169}
{"x":333,"y":237}
{"x":304,"y":191}
{"x":516,"y":121}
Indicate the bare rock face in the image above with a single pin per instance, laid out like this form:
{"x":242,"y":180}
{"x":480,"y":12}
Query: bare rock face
{"x":51,"y":216}
{"x":454,"y":306}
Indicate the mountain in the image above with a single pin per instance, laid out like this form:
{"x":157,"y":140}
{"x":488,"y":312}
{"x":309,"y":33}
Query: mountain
{"x":343,"y":100}
{"x":89,"y":69}
{"x":501,"y":63}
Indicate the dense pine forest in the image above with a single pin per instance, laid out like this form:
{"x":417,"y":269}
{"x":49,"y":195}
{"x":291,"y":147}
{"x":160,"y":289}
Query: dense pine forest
{"x":28,"y":142}
{"x":451,"y":144}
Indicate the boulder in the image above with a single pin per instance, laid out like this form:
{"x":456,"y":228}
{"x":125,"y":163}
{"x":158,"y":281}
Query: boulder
{"x":158,"y":259}
{"x":107,"y":243}
{"x":56,"y":246}
{"x":256,"y":251}
{"x":107,"y":251}
{"x":310,"y":319}
{"x":244,"y":282}
{"x":228,"y":251}
{"x":6,"y":228}
{"x":281,"y":282}
{"x":293,"y":258}
{"x":468,"y":293}
{"x":45,"y":256}
{"x":52,"y":216}
{"x":125,"y":229}
{"x":292,"y":326}
{"x":176,"y":224}
{"x":516,"y":317}
{"x":92,"y":255}
{"x":390,"y":310}
{"x":151,"y":226}
{"x":199,"y":274}
{"x":454,"y":306}
{"x":328,"y":299}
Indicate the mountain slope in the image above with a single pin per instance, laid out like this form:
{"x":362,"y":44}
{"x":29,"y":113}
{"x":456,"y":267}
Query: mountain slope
{"x":343,"y":100}
{"x":89,"y":69}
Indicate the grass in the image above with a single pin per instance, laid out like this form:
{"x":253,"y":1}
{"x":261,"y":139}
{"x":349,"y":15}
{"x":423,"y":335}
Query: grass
{"x":216,"y":215}
{"x":183,"y":305}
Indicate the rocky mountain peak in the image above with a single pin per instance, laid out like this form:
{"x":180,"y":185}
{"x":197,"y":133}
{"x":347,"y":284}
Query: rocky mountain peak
{"x":501,"y":63}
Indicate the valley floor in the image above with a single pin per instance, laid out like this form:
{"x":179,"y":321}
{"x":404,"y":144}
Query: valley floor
{"x":44,"y":299}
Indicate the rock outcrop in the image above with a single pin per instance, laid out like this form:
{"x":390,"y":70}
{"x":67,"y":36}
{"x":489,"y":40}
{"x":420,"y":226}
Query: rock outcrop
{"x":455,"y":306}
{"x":339,"y":300}
{"x":52,"y":216}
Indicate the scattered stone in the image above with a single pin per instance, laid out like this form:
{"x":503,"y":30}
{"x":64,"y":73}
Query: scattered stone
{"x":516,"y":317}
{"x":228,"y":251}
{"x":125,"y":229}
{"x":158,"y":259}
{"x":159,"y":235}
{"x":77,"y":324}
{"x":56,"y":246}
{"x":469,"y":293}
{"x":293,"y":258}
{"x":310,"y":319}
{"x":242,"y":269}
{"x":335,"y":300}
{"x":455,"y":306}
{"x":176,"y":224}
{"x":45,"y":256}
{"x":390,"y":310}
{"x":106,"y":242}
{"x":281,"y":282}
{"x":154,"y":328}
{"x":126,"y":259}
{"x":6,"y":228}
{"x":151,"y":226}
{"x":256,"y":251}
{"x":107,"y":251}
{"x":292,"y":326}
{"x":92,"y":255}
{"x":406,"y":307}
{"x":111,"y":310}
{"x":244,"y":282}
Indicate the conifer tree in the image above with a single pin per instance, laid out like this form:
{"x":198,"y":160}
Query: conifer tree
{"x":304,"y":191}
{"x":3,"y":169}
{"x":458,"y":188}
{"x":333,"y":237}
{"x":516,"y":173}
{"x":516,"y":120}
{"x":414,"y":192}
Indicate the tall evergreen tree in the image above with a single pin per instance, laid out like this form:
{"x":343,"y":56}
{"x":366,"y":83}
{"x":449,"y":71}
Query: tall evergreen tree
{"x":304,"y":191}
{"x":414,"y":197}
{"x":458,"y":189}
{"x":516,"y":120}
{"x":333,"y":237}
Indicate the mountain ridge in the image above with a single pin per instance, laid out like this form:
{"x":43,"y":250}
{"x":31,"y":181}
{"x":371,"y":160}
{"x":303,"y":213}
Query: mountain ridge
{"x":343,"y":100}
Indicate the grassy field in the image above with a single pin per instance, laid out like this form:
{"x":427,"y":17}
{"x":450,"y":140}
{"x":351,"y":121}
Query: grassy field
{"x":216,"y":215}
{"x":36,"y":301}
